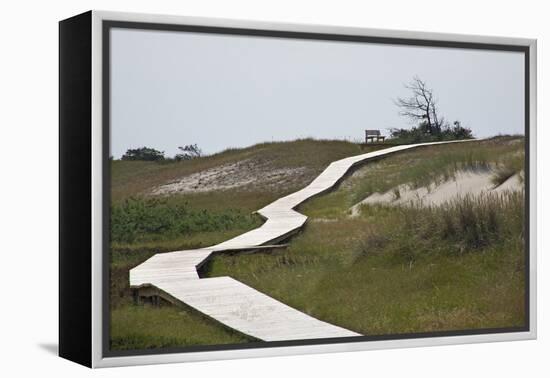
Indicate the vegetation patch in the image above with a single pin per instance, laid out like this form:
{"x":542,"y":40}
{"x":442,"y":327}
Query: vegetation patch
{"x":143,"y":225}
{"x":389,"y":270}
{"x":139,"y":220}
{"x":146,"y":327}
{"x":395,"y":270}
{"x":401,"y":270}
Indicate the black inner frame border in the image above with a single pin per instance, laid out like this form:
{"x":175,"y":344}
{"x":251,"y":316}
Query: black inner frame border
{"x":107,"y":25}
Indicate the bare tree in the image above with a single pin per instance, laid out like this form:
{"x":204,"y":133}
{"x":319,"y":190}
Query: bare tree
{"x":421,"y":106}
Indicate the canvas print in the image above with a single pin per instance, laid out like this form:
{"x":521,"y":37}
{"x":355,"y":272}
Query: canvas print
{"x":268,"y":190}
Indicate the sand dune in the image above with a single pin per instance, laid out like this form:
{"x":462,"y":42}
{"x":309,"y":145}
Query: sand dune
{"x":463,"y":183}
{"x":233,"y":175}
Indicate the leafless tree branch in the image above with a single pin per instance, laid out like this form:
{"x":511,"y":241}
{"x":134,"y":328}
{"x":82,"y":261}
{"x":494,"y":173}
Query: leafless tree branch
{"x":421,"y":105}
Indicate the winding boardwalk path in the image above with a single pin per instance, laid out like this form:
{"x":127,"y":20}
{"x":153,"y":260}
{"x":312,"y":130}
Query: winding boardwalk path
{"x":174,"y":276}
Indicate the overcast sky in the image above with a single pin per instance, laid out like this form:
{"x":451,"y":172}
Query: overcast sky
{"x":175,"y":88}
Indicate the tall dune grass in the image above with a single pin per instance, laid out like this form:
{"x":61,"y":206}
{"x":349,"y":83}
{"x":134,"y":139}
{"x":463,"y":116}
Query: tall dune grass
{"x":398,"y":270}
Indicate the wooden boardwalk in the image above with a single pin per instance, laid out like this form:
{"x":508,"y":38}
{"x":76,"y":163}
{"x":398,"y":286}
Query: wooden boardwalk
{"x":174,"y":276}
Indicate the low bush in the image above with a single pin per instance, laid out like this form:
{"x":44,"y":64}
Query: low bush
{"x":144,"y":154}
{"x":420,"y":133}
{"x":139,"y":219}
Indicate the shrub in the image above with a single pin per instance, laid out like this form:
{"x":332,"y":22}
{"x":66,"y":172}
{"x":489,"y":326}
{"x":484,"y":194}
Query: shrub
{"x":420,"y":133}
{"x":143,"y":153}
{"x":188,"y":152}
{"x":138,"y":219}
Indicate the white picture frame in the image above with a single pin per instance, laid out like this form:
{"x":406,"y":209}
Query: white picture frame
{"x":99,"y":22}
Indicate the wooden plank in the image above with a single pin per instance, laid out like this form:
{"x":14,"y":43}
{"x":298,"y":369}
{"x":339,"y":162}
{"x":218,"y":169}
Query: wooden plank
{"x":233,"y":303}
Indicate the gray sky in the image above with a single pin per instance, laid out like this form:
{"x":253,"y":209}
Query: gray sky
{"x":175,"y":88}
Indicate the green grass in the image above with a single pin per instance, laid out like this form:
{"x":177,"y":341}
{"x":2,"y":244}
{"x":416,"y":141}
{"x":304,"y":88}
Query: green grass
{"x":140,"y":220}
{"x":143,"y":226}
{"x":146,"y":327}
{"x":400,"y":270}
{"x":390,"y":270}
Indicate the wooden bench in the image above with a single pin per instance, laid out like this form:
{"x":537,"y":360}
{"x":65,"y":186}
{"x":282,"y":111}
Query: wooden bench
{"x":371,"y":135}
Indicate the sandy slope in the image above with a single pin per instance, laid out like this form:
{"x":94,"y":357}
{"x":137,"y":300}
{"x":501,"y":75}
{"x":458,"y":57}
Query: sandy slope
{"x":228,"y":176}
{"x":464,"y":183}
